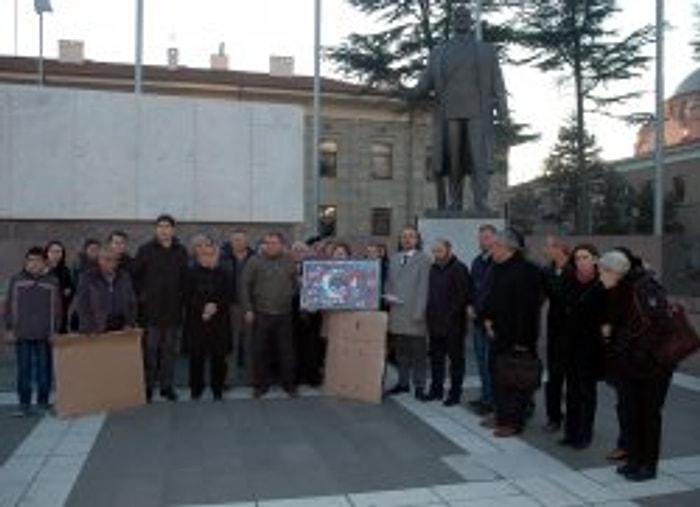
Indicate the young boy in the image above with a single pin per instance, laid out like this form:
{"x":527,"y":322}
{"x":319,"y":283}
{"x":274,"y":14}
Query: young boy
{"x":32,"y":316}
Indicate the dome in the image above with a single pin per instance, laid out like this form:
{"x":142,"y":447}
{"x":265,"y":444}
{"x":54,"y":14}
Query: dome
{"x":690,"y":84}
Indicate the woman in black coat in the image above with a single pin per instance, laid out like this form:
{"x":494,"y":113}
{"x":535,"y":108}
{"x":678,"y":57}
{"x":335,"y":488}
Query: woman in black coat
{"x":639,"y":319}
{"x":585,"y":315}
{"x":55,"y":253}
{"x":207,"y":331}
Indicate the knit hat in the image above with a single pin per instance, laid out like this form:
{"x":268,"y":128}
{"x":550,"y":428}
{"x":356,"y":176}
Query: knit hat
{"x":615,"y":261}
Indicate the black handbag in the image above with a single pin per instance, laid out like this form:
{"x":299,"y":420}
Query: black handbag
{"x":518,"y":369}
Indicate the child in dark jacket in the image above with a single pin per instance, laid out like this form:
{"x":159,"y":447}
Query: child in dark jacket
{"x":32,"y":315}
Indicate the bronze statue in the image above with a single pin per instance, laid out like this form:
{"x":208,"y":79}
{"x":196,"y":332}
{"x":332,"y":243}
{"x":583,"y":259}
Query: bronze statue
{"x":464,"y":78}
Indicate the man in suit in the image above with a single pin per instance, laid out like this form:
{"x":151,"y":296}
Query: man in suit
{"x":465,"y":78}
{"x":407,"y":295}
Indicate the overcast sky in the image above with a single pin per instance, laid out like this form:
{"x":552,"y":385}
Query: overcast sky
{"x":254,"y":29}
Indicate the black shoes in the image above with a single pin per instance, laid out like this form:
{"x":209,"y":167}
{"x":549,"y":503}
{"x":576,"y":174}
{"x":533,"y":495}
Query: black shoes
{"x":149,"y":396}
{"x":169,"y":394}
{"x":421,"y":396}
{"x":577,"y":445}
{"x":451,"y":401}
{"x":637,"y":473}
{"x":642,"y":474}
{"x":435,"y":395}
{"x":397,"y":389}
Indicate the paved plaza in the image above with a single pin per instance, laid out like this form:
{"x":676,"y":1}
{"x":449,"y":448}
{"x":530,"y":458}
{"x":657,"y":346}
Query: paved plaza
{"x":319,"y":451}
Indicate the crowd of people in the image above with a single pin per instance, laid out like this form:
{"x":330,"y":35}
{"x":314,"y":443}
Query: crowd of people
{"x":234,"y":311}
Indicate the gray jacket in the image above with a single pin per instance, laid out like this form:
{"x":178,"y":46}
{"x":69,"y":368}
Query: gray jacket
{"x":33,"y":307}
{"x":409,"y":282}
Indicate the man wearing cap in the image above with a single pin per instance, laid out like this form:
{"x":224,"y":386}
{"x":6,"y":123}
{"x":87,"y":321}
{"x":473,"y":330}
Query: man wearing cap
{"x":160,"y":271}
{"x":511,"y":317}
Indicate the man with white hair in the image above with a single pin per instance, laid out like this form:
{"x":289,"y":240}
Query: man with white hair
{"x":511,"y":316}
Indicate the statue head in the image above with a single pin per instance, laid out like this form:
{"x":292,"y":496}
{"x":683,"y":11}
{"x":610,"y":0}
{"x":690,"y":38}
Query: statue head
{"x":463,"y":20}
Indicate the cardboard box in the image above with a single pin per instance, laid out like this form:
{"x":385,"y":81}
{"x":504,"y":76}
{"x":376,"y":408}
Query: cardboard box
{"x":356,"y":355}
{"x":98,"y":373}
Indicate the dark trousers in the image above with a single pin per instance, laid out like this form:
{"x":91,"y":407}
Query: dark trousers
{"x":310,"y":348}
{"x":217,"y":373}
{"x":33,"y":367}
{"x":643,"y":400}
{"x":622,"y":421}
{"x":554,"y":387}
{"x":412,"y":357}
{"x":443,"y":348}
{"x":581,"y":404}
{"x":160,"y":355}
{"x":512,"y":407}
{"x":274,"y":334}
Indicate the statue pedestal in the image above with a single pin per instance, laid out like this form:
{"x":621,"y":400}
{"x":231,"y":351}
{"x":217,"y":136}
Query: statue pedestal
{"x":460,"y":228}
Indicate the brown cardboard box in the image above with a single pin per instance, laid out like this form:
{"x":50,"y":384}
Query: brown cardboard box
{"x":356,"y":355}
{"x":98,"y":373}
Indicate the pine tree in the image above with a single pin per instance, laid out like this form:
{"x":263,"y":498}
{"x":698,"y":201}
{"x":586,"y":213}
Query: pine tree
{"x":572,"y":38}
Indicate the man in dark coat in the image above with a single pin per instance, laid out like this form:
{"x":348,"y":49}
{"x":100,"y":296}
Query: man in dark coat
{"x":511,"y":316}
{"x":207,"y":333}
{"x":235,"y":254}
{"x":448,"y":299}
{"x":556,"y":276}
{"x":267,"y":295}
{"x":481,"y":277}
{"x":160,"y":271}
{"x":106,"y":300}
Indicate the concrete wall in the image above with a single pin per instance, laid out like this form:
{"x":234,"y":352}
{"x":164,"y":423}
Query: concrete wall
{"x":78,"y":154}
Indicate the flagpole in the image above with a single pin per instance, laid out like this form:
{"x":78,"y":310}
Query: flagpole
{"x":138,"y":61}
{"x":41,"y":48}
{"x":16,"y":28}
{"x":316,"y":140}
{"x":660,"y":123}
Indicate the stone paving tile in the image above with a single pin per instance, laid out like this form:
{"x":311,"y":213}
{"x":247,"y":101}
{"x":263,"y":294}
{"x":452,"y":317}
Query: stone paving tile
{"x":689,"y":499}
{"x":548,"y":493}
{"x":14,"y":431}
{"x":267,"y":450}
{"x":415,"y":497}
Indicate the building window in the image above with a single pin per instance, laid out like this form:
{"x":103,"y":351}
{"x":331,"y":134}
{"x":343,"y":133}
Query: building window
{"x":382,"y":161}
{"x":381,"y":221}
{"x":678,"y":189}
{"x":327,"y":219}
{"x":328,"y":159}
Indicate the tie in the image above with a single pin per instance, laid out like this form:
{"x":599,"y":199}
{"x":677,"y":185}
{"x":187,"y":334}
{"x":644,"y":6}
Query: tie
{"x":404,"y":259}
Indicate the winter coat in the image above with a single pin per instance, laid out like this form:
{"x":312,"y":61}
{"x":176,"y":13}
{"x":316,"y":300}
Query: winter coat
{"x":482,"y":276}
{"x":639,"y":316}
{"x":234,"y":267}
{"x":104,"y":304}
{"x":585,"y":316}
{"x":269,"y":285}
{"x":212,"y":336}
{"x":33,"y":307}
{"x":409,"y":282}
{"x":161,"y":275}
{"x":513,"y":304}
{"x":448,"y":298}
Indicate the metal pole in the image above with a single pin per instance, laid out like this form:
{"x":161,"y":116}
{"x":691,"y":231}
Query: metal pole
{"x":479,"y":11}
{"x":16,"y":28}
{"x":316,"y":141}
{"x":41,"y":49}
{"x":138,"y":61}
{"x":660,"y":123}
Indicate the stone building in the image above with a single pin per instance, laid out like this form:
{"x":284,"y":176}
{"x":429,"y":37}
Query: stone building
{"x":682,"y":154}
